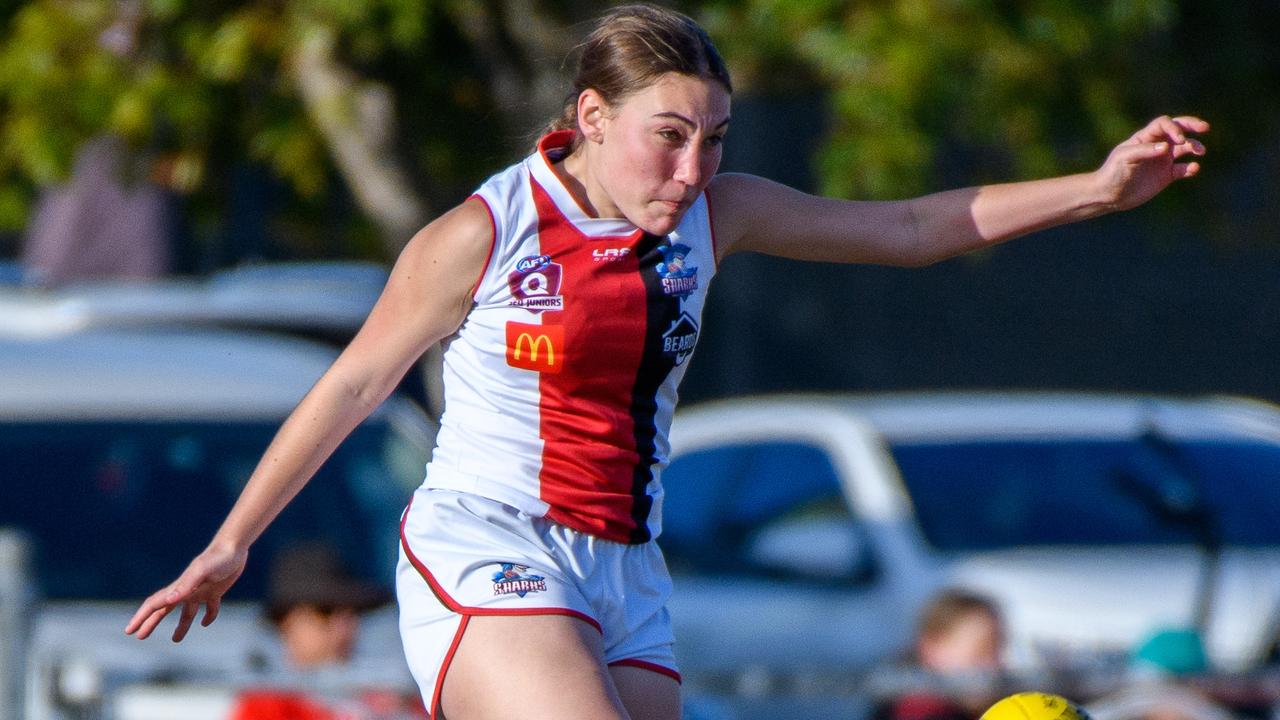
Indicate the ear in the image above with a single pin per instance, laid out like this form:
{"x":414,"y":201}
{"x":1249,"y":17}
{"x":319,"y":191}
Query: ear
{"x":592,"y":112}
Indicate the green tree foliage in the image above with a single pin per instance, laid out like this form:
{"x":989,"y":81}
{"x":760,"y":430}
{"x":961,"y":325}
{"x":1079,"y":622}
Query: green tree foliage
{"x":931,"y":93}
{"x":411,"y":102}
{"x":198,"y":87}
{"x":1025,"y":88}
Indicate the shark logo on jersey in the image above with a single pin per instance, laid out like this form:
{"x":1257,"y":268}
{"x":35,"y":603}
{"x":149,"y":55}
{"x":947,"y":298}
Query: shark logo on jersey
{"x":678,"y":341}
{"x":677,"y":276}
{"x":535,"y":284}
{"x":511,"y":579}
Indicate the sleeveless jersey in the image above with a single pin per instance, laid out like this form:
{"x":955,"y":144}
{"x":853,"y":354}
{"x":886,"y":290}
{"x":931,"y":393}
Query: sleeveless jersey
{"x":560,"y":384}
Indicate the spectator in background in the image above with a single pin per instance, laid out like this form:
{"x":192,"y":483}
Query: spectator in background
{"x":315,"y":606}
{"x":957,"y":660}
{"x":108,"y":221}
{"x":1164,"y":682}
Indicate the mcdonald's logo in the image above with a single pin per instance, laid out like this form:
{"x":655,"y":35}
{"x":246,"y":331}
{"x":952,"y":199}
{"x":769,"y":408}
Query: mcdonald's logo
{"x":535,"y":347}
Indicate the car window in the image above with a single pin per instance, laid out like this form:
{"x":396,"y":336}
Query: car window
{"x":989,"y":495}
{"x":117,"y":509}
{"x":768,"y":509}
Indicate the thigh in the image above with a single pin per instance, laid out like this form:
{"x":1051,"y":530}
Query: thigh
{"x":529,"y":666}
{"x":646,"y":694}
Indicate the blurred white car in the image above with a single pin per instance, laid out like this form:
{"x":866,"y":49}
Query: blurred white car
{"x":328,"y":300}
{"x":805,"y":532}
{"x":121,"y":449}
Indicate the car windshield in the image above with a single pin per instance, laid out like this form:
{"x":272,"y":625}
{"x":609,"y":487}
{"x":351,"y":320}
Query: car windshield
{"x":771,"y":509}
{"x":991,"y":495}
{"x":116,"y":509}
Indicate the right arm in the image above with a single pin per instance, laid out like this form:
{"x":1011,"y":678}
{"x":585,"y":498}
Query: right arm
{"x":426,"y":298}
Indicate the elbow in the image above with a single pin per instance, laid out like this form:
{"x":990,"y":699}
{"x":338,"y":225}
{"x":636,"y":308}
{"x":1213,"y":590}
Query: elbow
{"x":917,"y":250}
{"x":364,"y":393}
{"x":925,"y":242}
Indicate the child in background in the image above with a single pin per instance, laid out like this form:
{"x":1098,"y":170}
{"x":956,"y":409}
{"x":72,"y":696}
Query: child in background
{"x":958,"y":656}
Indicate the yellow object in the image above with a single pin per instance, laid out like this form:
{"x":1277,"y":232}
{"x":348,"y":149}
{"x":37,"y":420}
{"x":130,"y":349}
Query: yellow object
{"x":1034,"y":706}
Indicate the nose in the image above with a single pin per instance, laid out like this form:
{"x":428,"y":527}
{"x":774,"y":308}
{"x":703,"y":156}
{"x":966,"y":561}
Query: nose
{"x":689,"y":167}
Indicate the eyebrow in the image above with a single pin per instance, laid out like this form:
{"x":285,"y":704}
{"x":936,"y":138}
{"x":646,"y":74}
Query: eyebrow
{"x":687,"y":121}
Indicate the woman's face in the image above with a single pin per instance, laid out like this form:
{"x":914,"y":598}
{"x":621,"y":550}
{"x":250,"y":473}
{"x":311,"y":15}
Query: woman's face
{"x":658,"y":148}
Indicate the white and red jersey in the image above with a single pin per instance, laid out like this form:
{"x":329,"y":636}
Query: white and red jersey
{"x":561,"y":383}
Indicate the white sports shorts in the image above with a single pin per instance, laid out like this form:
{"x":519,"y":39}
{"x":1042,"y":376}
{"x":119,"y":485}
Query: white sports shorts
{"x":463,"y":555}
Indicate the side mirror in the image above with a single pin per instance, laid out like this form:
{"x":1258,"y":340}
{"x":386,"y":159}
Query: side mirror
{"x":829,"y":550}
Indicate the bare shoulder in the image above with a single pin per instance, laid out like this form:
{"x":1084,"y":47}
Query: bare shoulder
{"x":729,"y":197}
{"x":743,"y":205}
{"x":435,"y":276}
{"x":460,"y":236}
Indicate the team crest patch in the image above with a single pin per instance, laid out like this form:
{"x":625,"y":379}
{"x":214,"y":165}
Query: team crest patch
{"x":535,"y":284}
{"x":511,"y":579}
{"x":678,"y":341}
{"x":678,"y":277}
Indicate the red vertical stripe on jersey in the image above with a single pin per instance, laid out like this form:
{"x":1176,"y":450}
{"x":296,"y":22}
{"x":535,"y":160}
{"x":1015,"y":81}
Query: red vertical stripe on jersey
{"x":589,"y":455}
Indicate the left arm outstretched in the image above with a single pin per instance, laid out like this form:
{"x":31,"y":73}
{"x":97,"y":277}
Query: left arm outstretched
{"x":758,"y":215}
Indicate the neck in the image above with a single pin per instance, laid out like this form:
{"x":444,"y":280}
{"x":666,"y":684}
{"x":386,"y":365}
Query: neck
{"x":575,"y":172}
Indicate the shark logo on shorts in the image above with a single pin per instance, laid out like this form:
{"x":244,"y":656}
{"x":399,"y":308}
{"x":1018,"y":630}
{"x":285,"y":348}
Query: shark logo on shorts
{"x":511,"y":578}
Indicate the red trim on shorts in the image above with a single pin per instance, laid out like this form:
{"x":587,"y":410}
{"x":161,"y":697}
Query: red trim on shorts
{"x":651,"y":667}
{"x":455,"y":606}
{"x":493,"y":244}
{"x":444,"y":666}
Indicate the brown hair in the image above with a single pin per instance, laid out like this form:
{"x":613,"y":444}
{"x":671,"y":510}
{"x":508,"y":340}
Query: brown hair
{"x":631,"y":47}
{"x":949,"y":607}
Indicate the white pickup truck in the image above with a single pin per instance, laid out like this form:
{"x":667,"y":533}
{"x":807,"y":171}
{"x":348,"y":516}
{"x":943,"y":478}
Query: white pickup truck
{"x":805,"y":532}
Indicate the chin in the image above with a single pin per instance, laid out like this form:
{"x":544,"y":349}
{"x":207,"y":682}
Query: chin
{"x":661,"y":225}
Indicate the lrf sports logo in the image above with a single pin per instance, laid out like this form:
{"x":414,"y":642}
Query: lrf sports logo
{"x":535,"y":347}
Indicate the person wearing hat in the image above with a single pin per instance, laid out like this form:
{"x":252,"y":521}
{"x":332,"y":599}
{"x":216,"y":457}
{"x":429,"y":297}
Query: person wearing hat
{"x":315,"y":605}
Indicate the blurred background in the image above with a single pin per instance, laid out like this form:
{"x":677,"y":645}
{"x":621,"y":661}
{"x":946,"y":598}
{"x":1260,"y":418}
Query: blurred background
{"x":181,"y":178}
{"x":251,"y":132}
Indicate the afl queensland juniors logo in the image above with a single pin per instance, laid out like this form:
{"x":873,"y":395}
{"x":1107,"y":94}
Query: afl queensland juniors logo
{"x":535,"y":284}
{"x":511,"y":580}
{"x":678,"y":278}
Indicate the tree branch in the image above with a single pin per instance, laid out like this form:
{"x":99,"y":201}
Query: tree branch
{"x":357,"y":120}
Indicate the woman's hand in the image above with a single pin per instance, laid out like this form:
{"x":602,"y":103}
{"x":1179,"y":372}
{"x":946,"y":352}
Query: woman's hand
{"x":204,"y":582}
{"x":1155,"y":156}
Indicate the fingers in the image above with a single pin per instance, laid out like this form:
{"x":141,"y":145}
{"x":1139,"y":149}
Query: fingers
{"x":1144,"y":151}
{"x":144,"y":626}
{"x":1185,"y":170}
{"x":1173,"y":129}
{"x":1190,"y":147}
{"x":153,"y":610}
{"x":1140,"y":152}
{"x":1192,"y":123}
{"x":157,"y":607}
{"x":189,"y":610}
{"x":1169,"y":128}
{"x":211,"y":609}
